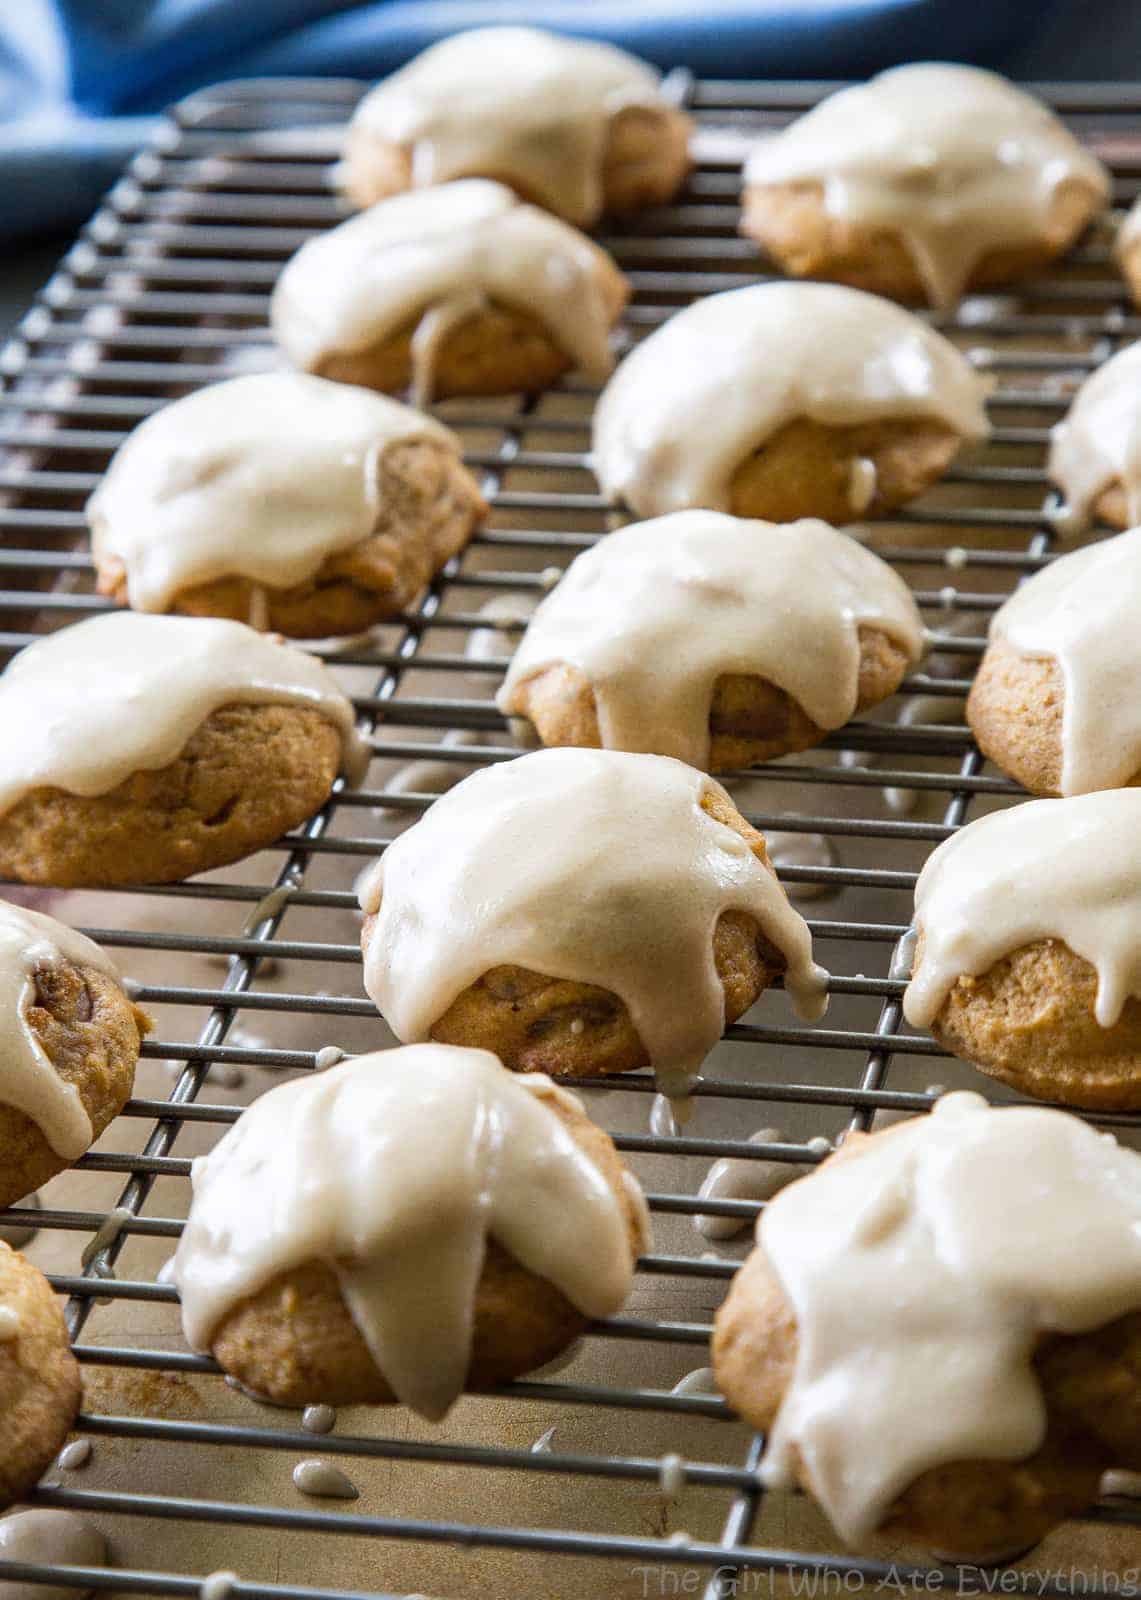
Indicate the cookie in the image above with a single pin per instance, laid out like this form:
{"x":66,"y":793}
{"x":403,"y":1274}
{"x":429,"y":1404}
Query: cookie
{"x":460,"y":289}
{"x":40,"y":1387}
{"x":145,"y":749}
{"x":297,"y":505}
{"x":713,"y":639}
{"x":939,"y":1330}
{"x":927,"y":181}
{"x":573,"y":125}
{"x":563,"y":909}
{"x":1127,"y":250}
{"x":1028,"y":960}
{"x":70,"y":1041}
{"x":1054,"y":701}
{"x":1095,"y":451}
{"x":782,"y":401}
{"x":405,"y":1226}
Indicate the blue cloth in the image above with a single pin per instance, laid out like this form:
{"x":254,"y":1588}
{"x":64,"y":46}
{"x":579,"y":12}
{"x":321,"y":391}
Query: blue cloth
{"x":82,"y":80}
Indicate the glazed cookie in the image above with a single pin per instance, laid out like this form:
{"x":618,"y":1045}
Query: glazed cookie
{"x":1095,"y":451}
{"x":461,"y":289}
{"x":582,"y":912}
{"x":69,"y":1041}
{"x":940,"y":1329}
{"x":1055,"y":703}
{"x":575,"y":126}
{"x":1127,"y":250}
{"x":785,"y":400}
{"x":140,"y":749}
{"x":406,"y":1226}
{"x":306,"y":507}
{"x":1028,"y":958}
{"x":40,"y":1386}
{"x":930,"y":180}
{"x":713,"y":639}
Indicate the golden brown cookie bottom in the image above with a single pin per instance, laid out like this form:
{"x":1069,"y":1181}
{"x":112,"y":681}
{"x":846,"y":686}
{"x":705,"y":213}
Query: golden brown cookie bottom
{"x":750,"y":718}
{"x":645,"y":161}
{"x":535,"y":1023}
{"x":1029,"y":1021}
{"x":296,"y":1343}
{"x":430,"y":505}
{"x":248,"y":775}
{"x":40,"y":1386}
{"x":791,"y":224}
{"x":90,"y":1032}
{"x":967,"y":1510}
{"x":812,"y":469}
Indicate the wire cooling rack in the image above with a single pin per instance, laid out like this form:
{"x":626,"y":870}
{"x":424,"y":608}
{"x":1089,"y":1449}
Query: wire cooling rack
{"x":167,"y":288}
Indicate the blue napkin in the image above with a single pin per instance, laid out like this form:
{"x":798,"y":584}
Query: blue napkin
{"x":82,"y":80}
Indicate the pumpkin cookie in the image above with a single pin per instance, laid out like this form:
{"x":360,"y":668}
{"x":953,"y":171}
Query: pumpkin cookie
{"x":782,"y":401}
{"x":140,"y":749}
{"x":575,"y":126}
{"x":927,"y":181}
{"x":300,"y":506}
{"x":1127,"y":250}
{"x":39,"y":1377}
{"x":70,"y":1041}
{"x":460,"y":289}
{"x":563,"y":909}
{"x":1054,"y":703}
{"x":940,"y":1329}
{"x":1095,"y":451}
{"x":713,"y":639}
{"x":405,"y":1226}
{"x":1028,"y":960}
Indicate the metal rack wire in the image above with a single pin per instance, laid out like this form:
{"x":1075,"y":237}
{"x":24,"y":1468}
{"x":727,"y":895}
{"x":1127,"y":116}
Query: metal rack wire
{"x":167,"y":288}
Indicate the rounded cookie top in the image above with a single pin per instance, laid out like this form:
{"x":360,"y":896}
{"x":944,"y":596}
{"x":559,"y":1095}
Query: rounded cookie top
{"x":591,"y":865}
{"x":948,"y":1244}
{"x":1048,"y":869}
{"x":434,"y":257}
{"x":394,"y":1169}
{"x":1097,"y":444}
{"x":693,"y":401}
{"x":655,"y":613}
{"x":956,"y":161}
{"x":264,"y":477}
{"x":28,"y":1080}
{"x":1082,"y":611}
{"x":84,"y":708}
{"x":519,"y":104}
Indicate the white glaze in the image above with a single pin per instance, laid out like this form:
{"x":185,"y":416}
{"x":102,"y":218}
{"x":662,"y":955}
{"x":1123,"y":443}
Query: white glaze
{"x":1098,"y":443}
{"x":28,"y":1080}
{"x":49,"y":1538}
{"x":83,"y":709}
{"x":922,"y":1270}
{"x":318,"y":1419}
{"x":1083,"y":610}
{"x":590,"y":865}
{"x":1049,"y":869}
{"x":519,"y":104}
{"x":325,"y":1481}
{"x":705,"y":391}
{"x":737,"y":1178}
{"x":394,"y":1168}
{"x":264,"y":477}
{"x":784,"y":602}
{"x":958,"y":162}
{"x":460,"y":247}
{"x":700,"y":1381}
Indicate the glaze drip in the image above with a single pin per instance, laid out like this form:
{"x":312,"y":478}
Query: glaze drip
{"x":1049,"y":869}
{"x":1098,"y":443}
{"x":946,"y":1246}
{"x":781,"y":601}
{"x":705,"y":391}
{"x":958,"y":162}
{"x":394,"y":1169}
{"x":589,"y":865}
